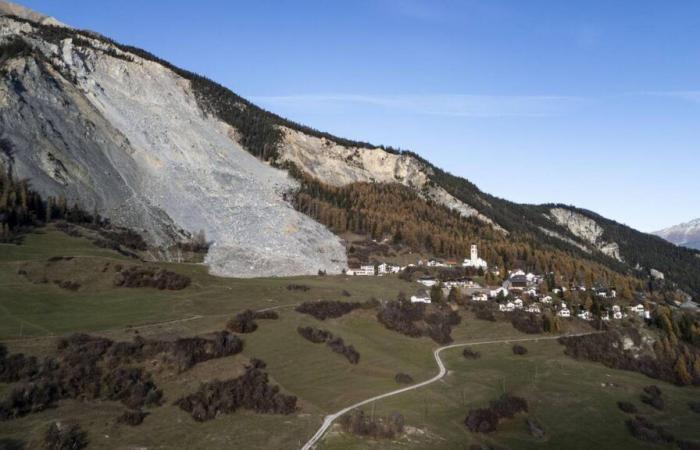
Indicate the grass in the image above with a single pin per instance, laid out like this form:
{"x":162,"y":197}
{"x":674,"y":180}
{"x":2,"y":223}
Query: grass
{"x":565,"y":395}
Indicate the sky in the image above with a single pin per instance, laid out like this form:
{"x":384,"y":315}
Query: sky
{"x":594,"y":104}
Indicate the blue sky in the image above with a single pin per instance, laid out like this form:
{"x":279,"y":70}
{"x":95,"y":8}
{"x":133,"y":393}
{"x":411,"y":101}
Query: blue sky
{"x":594,"y":103}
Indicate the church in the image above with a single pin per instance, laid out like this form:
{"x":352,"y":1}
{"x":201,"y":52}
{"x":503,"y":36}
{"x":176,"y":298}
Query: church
{"x":474,"y":260}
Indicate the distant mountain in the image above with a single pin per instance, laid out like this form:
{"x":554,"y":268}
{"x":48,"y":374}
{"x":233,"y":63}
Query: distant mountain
{"x":686,"y":234}
{"x":168,"y":153}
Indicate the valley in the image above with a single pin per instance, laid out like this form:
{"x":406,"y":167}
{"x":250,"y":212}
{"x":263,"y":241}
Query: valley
{"x":33,"y":314}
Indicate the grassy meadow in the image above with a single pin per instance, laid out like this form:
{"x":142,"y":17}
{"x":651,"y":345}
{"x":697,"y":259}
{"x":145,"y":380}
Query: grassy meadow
{"x":574,"y":401}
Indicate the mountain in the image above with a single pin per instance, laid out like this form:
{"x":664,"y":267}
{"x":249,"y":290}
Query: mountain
{"x":168,"y":153}
{"x":686,"y":234}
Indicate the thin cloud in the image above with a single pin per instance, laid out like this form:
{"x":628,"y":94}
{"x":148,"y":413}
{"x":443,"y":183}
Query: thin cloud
{"x":689,"y":96}
{"x":455,"y":105}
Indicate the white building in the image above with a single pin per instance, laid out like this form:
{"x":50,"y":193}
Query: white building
{"x":518,"y":303}
{"x":585,"y":315}
{"x":479,"y":298}
{"x":421,"y":298}
{"x":508,"y":307}
{"x":385,"y":268}
{"x":496,"y":292}
{"x":363,"y":270}
{"x":474,"y":260}
{"x":533,"y":308}
{"x":564,"y":313}
{"x":428,"y":281}
{"x":547,"y":299}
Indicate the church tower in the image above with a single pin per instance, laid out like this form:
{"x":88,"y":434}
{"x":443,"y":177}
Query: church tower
{"x":474,"y":253}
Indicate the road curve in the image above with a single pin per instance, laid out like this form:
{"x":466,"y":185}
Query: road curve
{"x":329,"y":419}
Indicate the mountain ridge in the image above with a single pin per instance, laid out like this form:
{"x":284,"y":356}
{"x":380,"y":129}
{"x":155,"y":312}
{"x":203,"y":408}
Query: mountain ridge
{"x":685,"y":234}
{"x":282,"y":144}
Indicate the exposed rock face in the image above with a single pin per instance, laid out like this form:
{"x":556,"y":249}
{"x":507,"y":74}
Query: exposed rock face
{"x":338,"y":165}
{"x":125,"y":136}
{"x":685,"y":234}
{"x":26,"y":13}
{"x":585,"y":229}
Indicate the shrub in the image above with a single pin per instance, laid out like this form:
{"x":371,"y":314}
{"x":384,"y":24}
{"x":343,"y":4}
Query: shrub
{"x":483,"y":420}
{"x":507,"y":406}
{"x":29,"y":399}
{"x":468,"y":353}
{"x":62,"y":437}
{"x":338,"y":346}
{"x":298,"y":287}
{"x":527,"y":323}
{"x":132,"y":387}
{"x":403,"y":378}
{"x":132,"y":417}
{"x":642,"y":429}
{"x":325,"y":309}
{"x":243,"y":322}
{"x":249,"y":391}
{"x":356,"y":422}
{"x":133,"y":277}
{"x":652,"y":397}
{"x":519,"y":350}
{"x":400,"y":316}
{"x":627,"y":407}
{"x":314,"y":335}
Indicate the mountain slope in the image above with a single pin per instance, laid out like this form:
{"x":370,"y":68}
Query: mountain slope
{"x":169,"y":152}
{"x":685,"y":234}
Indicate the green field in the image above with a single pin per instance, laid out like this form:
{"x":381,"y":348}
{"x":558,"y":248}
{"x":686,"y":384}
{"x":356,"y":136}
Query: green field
{"x":574,"y":401}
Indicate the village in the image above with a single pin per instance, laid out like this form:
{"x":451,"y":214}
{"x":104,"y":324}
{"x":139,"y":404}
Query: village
{"x":518,"y":291}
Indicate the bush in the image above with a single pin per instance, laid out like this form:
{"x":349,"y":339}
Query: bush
{"x":325,"y":309}
{"x":627,"y":407}
{"x":62,"y":437}
{"x":28,"y":399}
{"x":356,"y":422}
{"x":642,"y":429}
{"x":249,"y":391}
{"x":507,"y":406}
{"x":400,"y":316}
{"x":17,"y":367}
{"x":132,"y":387}
{"x":298,"y":287}
{"x":403,"y":378}
{"x":132,"y":417}
{"x":314,"y":335}
{"x":519,"y":350}
{"x":243,"y":322}
{"x":527,"y":323}
{"x":338,"y":346}
{"x":468,"y":353}
{"x":134,"y":277}
{"x":483,"y":420}
{"x":652,"y":397}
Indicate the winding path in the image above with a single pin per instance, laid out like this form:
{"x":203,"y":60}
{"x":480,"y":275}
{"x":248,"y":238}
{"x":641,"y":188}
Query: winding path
{"x":329,"y":419}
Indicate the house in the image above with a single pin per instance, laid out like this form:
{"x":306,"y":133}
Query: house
{"x":532,"y":292}
{"x":617,"y":312}
{"x":585,"y":315}
{"x":436,"y":263}
{"x":533,"y":308}
{"x":547,"y":299}
{"x":497,"y":292}
{"x":428,"y":281}
{"x":363,"y":270}
{"x":474,"y":261}
{"x":508,"y":307}
{"x":640,"y":311}
{"x":605,"y":316}
{"x":420,"y":298}
{"x":518,"y":303}
{"x":516,"y":282}
{"x":385,"y":268}
{"x":564,"y":313}
{"x":479,"y":297}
